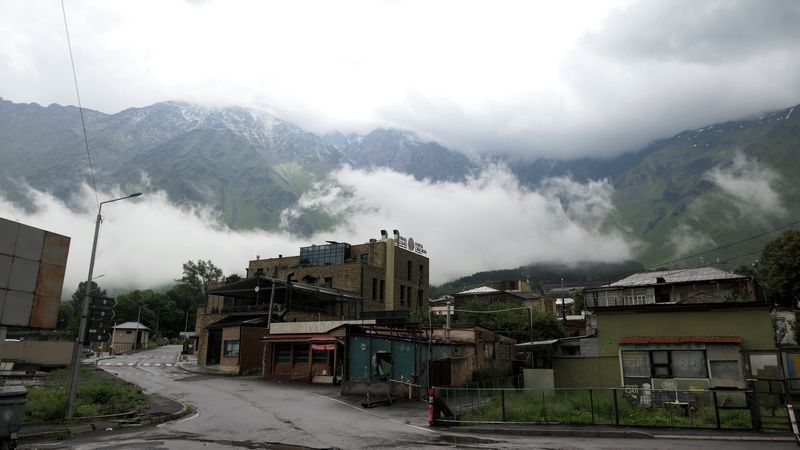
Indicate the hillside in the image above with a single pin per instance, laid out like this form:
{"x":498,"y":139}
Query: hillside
{"x":677,"y":196}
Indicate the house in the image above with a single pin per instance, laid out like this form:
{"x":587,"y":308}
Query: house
{"x":382,"y":279}
{"x":306,"y":351}
{"x":399,"y":362}
{"x":517,"y":293}
{"x":390,"y":273}
{"x":235,"y":319}
{"x":693,"y":328}
{"x":129,"y":336}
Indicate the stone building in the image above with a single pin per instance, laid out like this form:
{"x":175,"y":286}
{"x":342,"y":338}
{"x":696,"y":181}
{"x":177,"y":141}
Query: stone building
{"x":387,"y":273}
{"x":328,"y":282}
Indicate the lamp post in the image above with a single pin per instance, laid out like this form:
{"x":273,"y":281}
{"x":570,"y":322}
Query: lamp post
{"x":76,"y":359}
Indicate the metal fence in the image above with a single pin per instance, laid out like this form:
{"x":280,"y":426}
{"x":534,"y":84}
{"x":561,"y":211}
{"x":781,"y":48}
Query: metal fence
{"x":723,"y":409}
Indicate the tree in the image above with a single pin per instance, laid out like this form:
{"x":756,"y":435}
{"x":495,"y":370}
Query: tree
{"x":510,"y":319}
{"x":69,"y":314}
{"x":198,"y":275}
{"x":780,"y":268}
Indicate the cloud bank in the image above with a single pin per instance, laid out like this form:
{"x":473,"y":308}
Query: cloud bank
{"x":751,"y":186}
{"x":491,"y":222}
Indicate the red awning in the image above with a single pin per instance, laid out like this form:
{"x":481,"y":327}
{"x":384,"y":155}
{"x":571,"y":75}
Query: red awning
{"x":681,"y":340}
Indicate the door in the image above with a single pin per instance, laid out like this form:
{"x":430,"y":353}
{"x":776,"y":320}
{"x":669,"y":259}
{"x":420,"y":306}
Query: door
{"x":214,"y":348}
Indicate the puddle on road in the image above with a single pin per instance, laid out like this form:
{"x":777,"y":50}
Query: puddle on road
{"x":450,"y":440}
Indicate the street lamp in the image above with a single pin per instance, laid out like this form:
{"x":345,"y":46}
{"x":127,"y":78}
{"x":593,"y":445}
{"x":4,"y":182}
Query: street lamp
{"x":76,"y":358}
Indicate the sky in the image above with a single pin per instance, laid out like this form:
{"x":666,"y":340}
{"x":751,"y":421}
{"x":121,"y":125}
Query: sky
{"x":530,"y":79}
{"x":534,"y":79}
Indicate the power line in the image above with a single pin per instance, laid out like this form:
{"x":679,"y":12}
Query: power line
{"x":80,"y":106}
{"x":730,"y":244}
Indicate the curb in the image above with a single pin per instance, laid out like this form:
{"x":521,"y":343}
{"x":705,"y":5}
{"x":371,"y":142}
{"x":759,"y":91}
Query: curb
{"x":559,"y":432}
{"x":617,"y":434}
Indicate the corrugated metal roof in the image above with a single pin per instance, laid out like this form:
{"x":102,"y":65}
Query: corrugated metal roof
{"x":681,"y":340}
{"x":131,"y":326}
{"x":675,"y":276}
{"x":479,"y":290}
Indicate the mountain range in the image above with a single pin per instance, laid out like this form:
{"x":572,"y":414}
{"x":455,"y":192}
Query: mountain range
{"x":697,"y":189}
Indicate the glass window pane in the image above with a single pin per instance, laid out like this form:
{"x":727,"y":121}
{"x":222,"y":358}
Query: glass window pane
{"x":689,"y":364}
{"x":636,"y":364}
{"x":301,"y":353}
{"x":660,"y":357}
{"x":661,"y":372}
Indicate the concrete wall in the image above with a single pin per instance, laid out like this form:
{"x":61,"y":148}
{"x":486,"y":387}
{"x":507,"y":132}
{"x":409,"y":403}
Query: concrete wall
{"x":601,"y":372}
{"x":230,"y":334}
{"x":538,"y":378}
{"x":45,"y":353}
{"x":754,"y":325}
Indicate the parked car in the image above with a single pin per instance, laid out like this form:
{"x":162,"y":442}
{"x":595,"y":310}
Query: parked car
{"x":86,"y":352}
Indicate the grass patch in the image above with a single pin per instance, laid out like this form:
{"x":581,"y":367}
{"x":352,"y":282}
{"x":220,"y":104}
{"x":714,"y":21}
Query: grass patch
{"x":98,"y":393}
{"x":577,"y":407}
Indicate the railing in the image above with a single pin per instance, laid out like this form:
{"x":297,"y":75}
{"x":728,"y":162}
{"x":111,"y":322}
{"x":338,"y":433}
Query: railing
{"x":729,"y":409}
{"x":245,"y":308}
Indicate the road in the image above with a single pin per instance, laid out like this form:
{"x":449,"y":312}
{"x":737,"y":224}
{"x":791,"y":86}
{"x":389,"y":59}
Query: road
{"x":236,"y":412}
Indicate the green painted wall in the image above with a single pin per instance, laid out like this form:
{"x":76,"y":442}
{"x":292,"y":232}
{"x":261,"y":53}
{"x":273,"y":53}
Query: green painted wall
{"x":753,"y":325}
{"x":602,"y":372}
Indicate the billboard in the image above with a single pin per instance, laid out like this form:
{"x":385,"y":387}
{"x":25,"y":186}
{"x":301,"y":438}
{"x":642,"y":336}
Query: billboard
{"x":32,"y":266}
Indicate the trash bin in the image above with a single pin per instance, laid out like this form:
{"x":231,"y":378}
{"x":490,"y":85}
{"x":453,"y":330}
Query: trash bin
{"x":12,"y":407}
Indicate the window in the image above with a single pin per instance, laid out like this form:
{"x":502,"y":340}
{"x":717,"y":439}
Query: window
{"x":364,"y":258}
{"x":383,"y":365}
{"x":283,"y":353}
{"x":488,"y":350}
{"x":383,"y":290}
{"x":408,"y":294}
{"x":408,"y":270}
{"x":320,"y":255}
{"x":421,"y":271}
{"x":659,"y":363}
{"x":300,"y":353}
{"x":231,"y":348}
{"x":664,"y":364}
{"x":320,"y":357}
{"x":636,"y":364}
{"x":402,"y":293}
{"x":374,"y":288}
{"x":688,"y":364}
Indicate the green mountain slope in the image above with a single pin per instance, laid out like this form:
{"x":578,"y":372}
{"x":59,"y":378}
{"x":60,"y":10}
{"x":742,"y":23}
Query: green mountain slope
{"x":673,"y":203}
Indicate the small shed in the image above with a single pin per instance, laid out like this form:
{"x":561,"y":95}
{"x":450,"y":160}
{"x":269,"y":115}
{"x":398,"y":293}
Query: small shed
{"x":129,"y":336}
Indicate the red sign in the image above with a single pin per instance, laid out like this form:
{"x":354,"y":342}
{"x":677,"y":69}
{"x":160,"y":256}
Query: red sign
{"x":323,"y":346}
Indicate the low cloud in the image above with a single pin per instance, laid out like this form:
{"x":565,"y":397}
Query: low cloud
{"x":751,"y":185}
{"x":490,"y":222}
{"x":686,"y":239}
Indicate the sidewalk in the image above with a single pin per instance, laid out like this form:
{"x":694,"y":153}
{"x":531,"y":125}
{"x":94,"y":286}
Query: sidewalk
{"x":188,"y":363}
{"x":614,"y":432}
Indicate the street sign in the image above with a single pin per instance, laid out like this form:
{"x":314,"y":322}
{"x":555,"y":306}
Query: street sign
{"x":101,"y":319}
{"x":103,"y":301}
{"x":98,"y":337}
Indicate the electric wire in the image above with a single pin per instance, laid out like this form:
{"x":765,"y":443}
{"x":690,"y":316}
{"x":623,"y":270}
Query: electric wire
{"x":80,"y":106}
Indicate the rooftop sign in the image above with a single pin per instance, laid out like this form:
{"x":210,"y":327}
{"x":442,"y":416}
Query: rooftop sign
{"x":408,"y":244}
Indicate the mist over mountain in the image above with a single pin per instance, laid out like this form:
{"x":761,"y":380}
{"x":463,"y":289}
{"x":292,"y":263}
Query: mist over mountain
{"x":695,"y":190}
